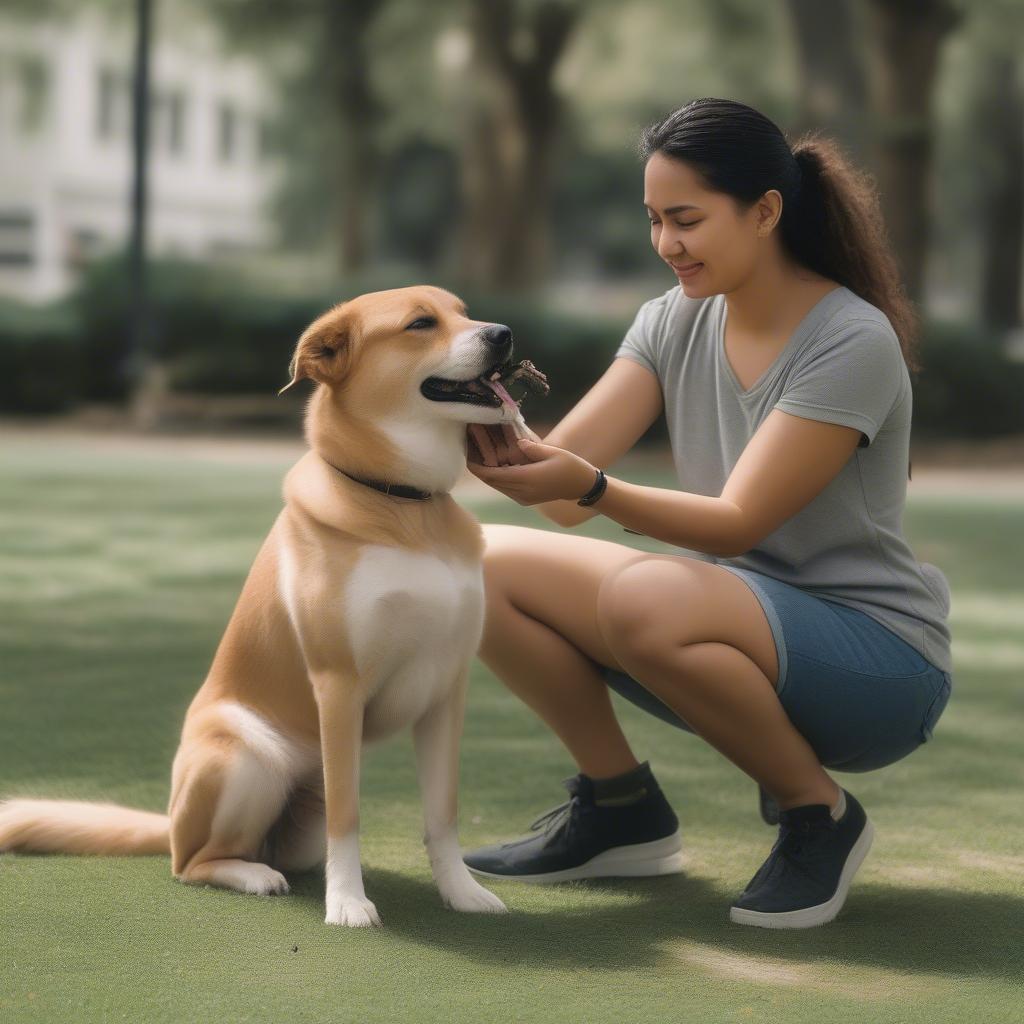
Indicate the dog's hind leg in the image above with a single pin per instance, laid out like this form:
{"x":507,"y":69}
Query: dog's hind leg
{"x":298,"y":840}
{"x":231,"y":778}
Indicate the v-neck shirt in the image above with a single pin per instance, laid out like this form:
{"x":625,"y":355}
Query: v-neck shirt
{"x":842,"y":364}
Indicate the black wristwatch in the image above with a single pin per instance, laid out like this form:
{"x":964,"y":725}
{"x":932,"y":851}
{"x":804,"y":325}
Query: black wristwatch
{"x":596,"y":491}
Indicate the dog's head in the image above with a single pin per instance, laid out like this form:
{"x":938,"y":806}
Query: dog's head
{"x":405,"y":350}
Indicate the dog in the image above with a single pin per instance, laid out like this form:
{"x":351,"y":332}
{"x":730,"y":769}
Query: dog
{"x":360,"y":616}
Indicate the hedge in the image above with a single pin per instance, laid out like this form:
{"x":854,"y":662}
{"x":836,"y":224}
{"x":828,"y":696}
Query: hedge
{"x":216,"y":334}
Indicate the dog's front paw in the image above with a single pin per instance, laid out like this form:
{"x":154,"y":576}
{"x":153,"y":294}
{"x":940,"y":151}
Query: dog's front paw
{"x":353,"y":911}
{"x":471,"y":897}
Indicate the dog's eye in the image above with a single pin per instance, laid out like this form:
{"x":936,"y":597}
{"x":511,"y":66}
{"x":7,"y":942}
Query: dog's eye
{"x":422,"y":324}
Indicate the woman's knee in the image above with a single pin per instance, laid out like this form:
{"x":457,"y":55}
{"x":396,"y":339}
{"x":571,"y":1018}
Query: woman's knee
{"x":633,"y":610}
{"x":655,"y":605}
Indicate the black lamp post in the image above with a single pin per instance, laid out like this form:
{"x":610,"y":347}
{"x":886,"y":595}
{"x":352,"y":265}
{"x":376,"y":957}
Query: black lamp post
{"x":140,"y":326}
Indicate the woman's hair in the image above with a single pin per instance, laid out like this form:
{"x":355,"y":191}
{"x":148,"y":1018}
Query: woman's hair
{"x":831,"y":221}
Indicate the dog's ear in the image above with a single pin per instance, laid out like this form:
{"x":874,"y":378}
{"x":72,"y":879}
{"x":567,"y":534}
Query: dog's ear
{"x":323,"y":353}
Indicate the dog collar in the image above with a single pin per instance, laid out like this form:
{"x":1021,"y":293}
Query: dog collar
{"x":399,"y":490}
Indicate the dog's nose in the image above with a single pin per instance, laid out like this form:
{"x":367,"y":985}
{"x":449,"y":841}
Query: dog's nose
{"x":497,"y":335}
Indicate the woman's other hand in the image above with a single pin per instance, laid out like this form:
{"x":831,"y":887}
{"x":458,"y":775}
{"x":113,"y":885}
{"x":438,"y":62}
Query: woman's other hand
{"x":526,"y":470}
{"x":495,"y":445}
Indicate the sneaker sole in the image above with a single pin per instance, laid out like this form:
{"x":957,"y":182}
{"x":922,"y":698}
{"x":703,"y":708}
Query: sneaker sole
{"x":809,"y":917}
{"x":660,"y":857}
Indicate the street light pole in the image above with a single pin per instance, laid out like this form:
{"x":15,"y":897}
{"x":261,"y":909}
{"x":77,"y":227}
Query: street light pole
{"x":140,"y":327}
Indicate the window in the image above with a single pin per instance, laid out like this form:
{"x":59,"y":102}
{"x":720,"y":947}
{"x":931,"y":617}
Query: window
{"x":266,"y":141}
{"x":16,"y":238}
{"x":34,"y":83}
{"x":175,"y":122}
{"x":85,"y":245}
{"x":167,"y":120}
{"x":113,"y":105}
{"x":227,"y":132}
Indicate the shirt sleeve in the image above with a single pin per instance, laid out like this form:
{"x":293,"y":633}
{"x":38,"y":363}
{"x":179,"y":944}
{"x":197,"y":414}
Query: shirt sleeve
{"x":641,"y":342}
{"x":855,"y":378}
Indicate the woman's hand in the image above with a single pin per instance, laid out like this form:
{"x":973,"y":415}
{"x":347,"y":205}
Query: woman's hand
{"x":495,"y":445}
{"x":525,"y":469}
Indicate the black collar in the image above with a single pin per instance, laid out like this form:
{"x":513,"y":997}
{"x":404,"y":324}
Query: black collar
{"x":399,"y":490}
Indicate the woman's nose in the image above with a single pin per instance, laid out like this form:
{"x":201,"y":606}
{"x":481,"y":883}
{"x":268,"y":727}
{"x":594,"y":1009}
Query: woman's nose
{"x":668,"y":245}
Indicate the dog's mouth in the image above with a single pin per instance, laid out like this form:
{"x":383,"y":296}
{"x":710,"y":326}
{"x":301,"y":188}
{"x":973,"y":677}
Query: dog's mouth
{"x":490,"y":388}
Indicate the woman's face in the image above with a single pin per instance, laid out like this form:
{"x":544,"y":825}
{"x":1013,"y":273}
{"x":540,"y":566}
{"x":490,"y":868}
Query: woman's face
{"x":710,"y":245}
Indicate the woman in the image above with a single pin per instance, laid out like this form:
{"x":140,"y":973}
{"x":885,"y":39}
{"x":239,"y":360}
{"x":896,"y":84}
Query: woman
{"x":798,"y":632}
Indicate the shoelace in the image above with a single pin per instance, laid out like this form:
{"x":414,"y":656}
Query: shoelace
{"x":555,"y":817}
{"x":797,"y":838}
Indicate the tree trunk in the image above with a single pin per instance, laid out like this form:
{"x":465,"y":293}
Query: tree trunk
{"x":509,"y":151}
{"x":833,"y":89}
{"x":1001,"y":109}
{"x":346,"y":66}
{"x":906,"y":37}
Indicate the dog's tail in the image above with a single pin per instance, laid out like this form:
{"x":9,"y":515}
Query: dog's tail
{"x":65,"y":826}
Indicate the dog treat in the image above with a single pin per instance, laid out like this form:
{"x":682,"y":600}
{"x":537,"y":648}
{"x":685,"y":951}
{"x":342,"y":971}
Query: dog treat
{"x":529,"y":375}
{"x":523,"y":373}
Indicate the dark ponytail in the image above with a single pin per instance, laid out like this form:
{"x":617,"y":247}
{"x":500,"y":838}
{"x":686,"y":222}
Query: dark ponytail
{"x":831,"y":220}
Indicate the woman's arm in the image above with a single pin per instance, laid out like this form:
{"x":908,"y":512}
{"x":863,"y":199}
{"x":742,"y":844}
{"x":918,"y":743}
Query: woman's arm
{"x":601,"y":427}
{"x":785,"y":465}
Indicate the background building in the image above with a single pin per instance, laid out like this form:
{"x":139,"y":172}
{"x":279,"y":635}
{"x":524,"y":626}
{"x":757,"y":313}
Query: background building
{"x":65,"y":148}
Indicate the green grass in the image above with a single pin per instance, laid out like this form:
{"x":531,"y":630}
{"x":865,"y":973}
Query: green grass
{"x":119,"y":575}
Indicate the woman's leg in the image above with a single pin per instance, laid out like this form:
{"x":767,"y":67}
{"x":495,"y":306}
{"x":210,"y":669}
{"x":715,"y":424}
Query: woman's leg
{"x":542,"y":640}
{"x":713,"y":661}
{"x":690,"y":631}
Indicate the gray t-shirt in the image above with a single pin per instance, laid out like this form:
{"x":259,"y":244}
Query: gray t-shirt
{"x":843,"y":364}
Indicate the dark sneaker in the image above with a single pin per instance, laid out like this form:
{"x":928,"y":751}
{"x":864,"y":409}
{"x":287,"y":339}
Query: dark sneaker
{"x":805,"y":879}
{"x":584,"y":839}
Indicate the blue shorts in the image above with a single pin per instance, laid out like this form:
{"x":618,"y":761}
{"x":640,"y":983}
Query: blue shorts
{"x":860,"y":695}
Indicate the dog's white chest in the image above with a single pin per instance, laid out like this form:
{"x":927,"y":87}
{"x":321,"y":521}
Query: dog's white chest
{"x":413,"y":620}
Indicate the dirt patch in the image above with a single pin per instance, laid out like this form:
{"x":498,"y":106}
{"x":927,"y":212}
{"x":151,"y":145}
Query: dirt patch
{"x":874,"y":985}
{"x":996,"y":863}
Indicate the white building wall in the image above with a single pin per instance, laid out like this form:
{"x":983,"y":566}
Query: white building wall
{"x":76,"y":185}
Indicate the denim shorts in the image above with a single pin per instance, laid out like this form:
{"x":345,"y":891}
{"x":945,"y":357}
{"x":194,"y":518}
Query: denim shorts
{"x":860,"y":695}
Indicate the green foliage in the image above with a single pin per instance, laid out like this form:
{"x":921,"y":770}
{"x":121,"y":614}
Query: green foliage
{"x":219,"y":333}
{"x":967,"y":386}
{"x":41,"y":358}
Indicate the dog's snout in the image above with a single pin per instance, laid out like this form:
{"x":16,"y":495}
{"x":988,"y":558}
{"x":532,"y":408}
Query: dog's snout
{"x":497,"y":335}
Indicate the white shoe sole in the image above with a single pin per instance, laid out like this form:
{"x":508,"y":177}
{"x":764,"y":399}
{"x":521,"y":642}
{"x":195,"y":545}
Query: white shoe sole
{"x":809,"y":917}
{"x":660,"y":857}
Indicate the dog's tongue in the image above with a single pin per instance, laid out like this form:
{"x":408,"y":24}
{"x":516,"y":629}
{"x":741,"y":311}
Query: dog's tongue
{"x":519,"y":426}
{"x":500,"y":391}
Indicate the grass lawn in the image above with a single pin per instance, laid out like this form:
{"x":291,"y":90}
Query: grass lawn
{"x":119,"y":574}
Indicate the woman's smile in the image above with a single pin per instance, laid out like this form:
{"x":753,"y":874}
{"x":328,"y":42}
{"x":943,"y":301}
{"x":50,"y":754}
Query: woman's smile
{"x":685,"y":271}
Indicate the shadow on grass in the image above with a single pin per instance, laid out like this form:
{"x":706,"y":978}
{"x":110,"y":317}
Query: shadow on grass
{"x":942,"y":932}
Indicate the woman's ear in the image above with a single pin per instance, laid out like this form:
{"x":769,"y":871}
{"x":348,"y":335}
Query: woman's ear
{"x":323,"y":352}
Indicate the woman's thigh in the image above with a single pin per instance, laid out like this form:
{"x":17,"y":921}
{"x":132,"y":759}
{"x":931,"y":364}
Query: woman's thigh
{"x":554,"y":578}
{"x":577,"y":586}
{"x":861,"y":696}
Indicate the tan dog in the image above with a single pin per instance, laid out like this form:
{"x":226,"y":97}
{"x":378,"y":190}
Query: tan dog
{"x":360,"y":616}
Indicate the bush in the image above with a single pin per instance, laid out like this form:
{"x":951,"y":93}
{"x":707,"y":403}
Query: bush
{"x":41,"y":358}
{"x":967,"y":387}
{"x":213,"y":332}
{"x":218,"y":334}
